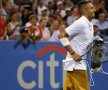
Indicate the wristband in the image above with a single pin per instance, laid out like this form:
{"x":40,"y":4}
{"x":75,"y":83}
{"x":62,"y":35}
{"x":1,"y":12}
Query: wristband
{"x":64,"y":41}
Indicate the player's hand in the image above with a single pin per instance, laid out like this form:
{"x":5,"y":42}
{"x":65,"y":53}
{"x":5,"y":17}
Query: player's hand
{"x":76,"y":57}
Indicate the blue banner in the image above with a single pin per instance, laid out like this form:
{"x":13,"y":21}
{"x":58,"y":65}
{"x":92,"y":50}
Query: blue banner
{"x":37,"y":67}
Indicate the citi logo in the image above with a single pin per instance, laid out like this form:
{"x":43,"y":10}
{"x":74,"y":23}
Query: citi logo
{"x":46,"y":70}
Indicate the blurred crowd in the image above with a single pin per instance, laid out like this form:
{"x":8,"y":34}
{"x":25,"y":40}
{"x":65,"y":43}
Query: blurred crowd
{"x":44,"y":19}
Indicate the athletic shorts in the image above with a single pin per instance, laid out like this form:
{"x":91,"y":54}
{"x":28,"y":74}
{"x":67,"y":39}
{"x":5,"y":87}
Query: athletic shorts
{"x":76,"y":80}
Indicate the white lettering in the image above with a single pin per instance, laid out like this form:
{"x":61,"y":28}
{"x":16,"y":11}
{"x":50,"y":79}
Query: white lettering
{"x":52,"y":64}
{"x":28,"y":63}
{"x":40,"y":74}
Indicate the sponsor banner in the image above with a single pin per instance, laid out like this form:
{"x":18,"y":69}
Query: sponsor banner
{"x":37,"y":67}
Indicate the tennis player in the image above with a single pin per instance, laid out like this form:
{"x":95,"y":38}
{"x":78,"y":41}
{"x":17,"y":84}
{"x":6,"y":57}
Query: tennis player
{"x":80,"y":35}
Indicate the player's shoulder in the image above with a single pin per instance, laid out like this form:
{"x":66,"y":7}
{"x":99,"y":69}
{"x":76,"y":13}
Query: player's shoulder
{"x":79,"y":22}
{"x":82,"y":19}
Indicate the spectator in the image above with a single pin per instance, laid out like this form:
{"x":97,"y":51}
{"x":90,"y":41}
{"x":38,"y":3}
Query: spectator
{"x":58,"y":17}
{"x":17,"y":3}
{"x":24,"y":38}
{"x":21,"y":10}
{"x":50,"y":20}
{"x":102,"y":24}
{"x":44,"y":13}
{"x":55,"y":5}
{"x":61,"y":9}
{"x":69,"y":4}
{"x":7,"y":10}
{"x":68,"y":14}
{"x":100,"y":7}
{"x":54,"y":26}
{"x":20,"y":14}
{"x":40,"y":6}
{"x":13,"y":27}
{"x":46,"y":1}
{"x":75,"y":15}
{"x":24,"y":17}
{"x":50,"y":7}
{"x":34,"y":30}
{"x":3,"y":31}
{"x":27,"y":4}
{"x":31,"y":21}
{"x":54,"y":37}
{"x":34,"y":9}
{"x":45,"y":30}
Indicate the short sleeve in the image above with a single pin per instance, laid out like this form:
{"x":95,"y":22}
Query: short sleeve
{"x":74,"y":29}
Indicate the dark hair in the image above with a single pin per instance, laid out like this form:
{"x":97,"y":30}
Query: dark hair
{"x":82,"y":4}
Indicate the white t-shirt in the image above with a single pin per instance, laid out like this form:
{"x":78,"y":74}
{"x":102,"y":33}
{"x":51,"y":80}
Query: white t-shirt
{"x":81,"y":36}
